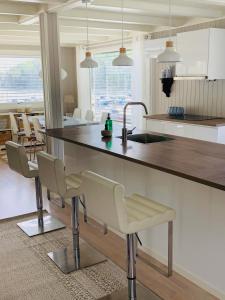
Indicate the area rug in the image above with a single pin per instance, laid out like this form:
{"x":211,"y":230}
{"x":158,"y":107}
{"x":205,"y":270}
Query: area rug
{"x":26,"y":272}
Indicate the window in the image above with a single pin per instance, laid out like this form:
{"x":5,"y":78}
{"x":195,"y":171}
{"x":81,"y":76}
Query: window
{"x":20,"y":79}
{"x":111,"y":86}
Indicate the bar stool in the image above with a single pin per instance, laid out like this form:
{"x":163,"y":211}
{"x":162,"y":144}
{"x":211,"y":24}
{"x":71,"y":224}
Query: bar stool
{"x":52,"y":175}
{"x":106,"y":202}
{"x":18,"y":161}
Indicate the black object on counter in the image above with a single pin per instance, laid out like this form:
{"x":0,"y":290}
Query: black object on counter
{"x":167,"y":84}
{"x":190,"y":117}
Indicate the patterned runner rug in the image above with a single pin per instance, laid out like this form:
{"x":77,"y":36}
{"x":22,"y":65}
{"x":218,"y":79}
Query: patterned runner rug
{"x":26,"y":272}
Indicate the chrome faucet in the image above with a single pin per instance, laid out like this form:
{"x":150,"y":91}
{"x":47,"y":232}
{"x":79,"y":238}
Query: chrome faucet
{"x":124,"y":129}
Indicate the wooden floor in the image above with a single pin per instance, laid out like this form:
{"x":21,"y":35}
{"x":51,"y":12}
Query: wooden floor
{"x":18,"y":197}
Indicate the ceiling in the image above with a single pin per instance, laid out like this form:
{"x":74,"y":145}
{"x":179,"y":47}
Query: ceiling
{"x":19,"y":19}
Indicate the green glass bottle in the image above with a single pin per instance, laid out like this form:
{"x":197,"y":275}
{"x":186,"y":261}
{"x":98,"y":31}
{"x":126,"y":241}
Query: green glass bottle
{"x":108,"y":123}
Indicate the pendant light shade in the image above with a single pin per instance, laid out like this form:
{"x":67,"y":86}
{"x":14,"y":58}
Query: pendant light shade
{"x":123,"y":59}
{"x":169,"y":55}
{"x":88,"y":62}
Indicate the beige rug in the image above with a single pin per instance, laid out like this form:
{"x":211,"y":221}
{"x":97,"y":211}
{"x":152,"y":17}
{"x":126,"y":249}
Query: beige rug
{"x":26,"y":272}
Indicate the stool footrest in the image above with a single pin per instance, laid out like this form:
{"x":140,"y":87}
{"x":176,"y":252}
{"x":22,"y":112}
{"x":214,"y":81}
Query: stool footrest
{"x":68,"y":260}
{"x":40,"y":225}
{"x":142,"y":294}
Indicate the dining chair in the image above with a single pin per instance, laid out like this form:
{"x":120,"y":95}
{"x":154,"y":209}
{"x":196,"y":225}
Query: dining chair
{"x":40,"y":138}
{"x":77,"y":113}
{"x":17,"y":135}
{"x":29,"y":134}
{"x":89,"y":115}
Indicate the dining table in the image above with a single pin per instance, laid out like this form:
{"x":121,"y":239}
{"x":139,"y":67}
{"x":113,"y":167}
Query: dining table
{"x":67,"y":121}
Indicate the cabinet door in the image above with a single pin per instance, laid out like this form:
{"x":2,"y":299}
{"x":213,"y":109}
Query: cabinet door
{"x":216,"y":66}
{"x":193,"y":47}
{"x":204,"y":133}
{"x":156,"y":126}
{"x":174,"y":128}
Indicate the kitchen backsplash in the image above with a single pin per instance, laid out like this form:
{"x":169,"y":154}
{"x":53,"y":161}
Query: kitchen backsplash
{"x":197,"y":96}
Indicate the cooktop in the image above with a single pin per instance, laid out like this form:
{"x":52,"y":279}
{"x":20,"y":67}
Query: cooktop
{"x":193,"y":117}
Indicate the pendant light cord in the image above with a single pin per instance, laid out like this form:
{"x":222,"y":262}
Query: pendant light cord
{"x":87,"y":25}
{"x":170,"y":19}
{"x":122,"y":13}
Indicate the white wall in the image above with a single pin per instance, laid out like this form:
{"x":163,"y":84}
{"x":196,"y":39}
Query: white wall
{"x":69,"y":85}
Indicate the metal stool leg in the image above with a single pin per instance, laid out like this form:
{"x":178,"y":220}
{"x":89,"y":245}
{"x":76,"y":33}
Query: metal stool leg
{"x":78,"y":256}
{"x":48,"y":195}
{"x":170,"y":248}
{"x":131,"y":267}
{"x":41,"y":224}
{"x":62,"y":202}
{"x":75,"y":231}
{"x":134,"y":291}
{"x":83,"y":203}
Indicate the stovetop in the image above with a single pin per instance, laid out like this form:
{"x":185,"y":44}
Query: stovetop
{"x":190,"y":117}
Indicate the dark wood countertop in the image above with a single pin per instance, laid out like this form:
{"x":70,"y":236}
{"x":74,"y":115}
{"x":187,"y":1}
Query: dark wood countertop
{"x":164,"y":117}
{"x":196,"y":160}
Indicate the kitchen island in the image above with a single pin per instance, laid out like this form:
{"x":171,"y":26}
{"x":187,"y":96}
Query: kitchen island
{"x":186,"y":174}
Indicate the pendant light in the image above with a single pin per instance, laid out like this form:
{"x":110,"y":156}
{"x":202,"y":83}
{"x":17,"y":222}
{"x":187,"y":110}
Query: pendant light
{"x":169,"y":55}
{"x":88,"y":62}
{"x":122,"y":59}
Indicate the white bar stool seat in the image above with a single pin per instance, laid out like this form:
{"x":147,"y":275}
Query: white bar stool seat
{"x":144,"y":213}
{"x":18,"y":161}
{"x":107,"y":203}
{"x":52,"y":175}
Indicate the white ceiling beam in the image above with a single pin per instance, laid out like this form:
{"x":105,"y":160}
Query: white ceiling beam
{"x":8,"y":19}
{"x":17,"y":33}
{"x":41,"y":1}
{"x":15,"y":27}
{"x":9,"y":8}
{"x":206,"y":2}
{"x":65,"y":5}
{"x":161,"y":9}
{"x":107,"y":16}
{"x":64,"y":29}
{"x":53,"y":6}
{"x":30,"y":20}
{"x":105,"y":25}
{"x":78,"y":34}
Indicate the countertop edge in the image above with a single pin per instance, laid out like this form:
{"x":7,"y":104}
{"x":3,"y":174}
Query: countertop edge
{"x":210,"y":123}
{"x":140,"y":162}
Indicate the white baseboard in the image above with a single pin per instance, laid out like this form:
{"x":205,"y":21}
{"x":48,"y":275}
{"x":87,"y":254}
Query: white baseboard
{"x":179,"y":269}
{"x":188,"y":275}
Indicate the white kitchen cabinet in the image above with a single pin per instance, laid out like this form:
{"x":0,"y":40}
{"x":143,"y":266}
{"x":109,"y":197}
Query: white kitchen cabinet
{"x":199,"y":132}
{"x":202,"y":53}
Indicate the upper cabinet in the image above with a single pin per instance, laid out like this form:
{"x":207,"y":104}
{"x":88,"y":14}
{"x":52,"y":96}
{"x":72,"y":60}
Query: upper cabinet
{"x":202,"y":54}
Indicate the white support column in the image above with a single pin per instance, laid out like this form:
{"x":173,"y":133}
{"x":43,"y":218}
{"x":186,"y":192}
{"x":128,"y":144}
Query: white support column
{"x":50,"y":53}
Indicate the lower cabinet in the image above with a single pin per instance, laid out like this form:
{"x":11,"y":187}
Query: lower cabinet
{"x":200,"y":132}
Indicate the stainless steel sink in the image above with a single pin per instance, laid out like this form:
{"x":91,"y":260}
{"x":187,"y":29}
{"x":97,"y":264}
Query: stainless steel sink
{"x":146,"y":138}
